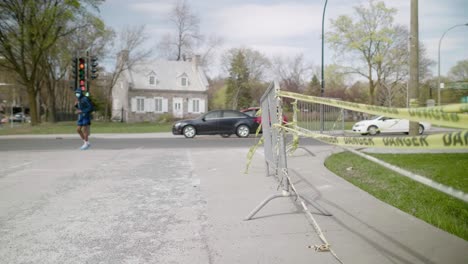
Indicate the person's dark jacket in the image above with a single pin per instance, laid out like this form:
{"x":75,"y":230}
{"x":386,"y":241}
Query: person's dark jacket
{"x":85,"y":105}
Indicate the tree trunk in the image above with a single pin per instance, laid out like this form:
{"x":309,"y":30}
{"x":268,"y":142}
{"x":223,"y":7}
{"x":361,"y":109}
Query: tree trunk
{"x":371,"y":92}
{"x":32,"y":104}
{"x":51,"y":103}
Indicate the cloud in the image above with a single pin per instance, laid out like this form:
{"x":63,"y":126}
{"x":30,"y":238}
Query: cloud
{"x":266,"y":22}
{"x":153,"y":8}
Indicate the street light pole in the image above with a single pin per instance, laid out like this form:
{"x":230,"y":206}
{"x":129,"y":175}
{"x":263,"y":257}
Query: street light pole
{"x":438,"y":63}
{"x":322,"y":82}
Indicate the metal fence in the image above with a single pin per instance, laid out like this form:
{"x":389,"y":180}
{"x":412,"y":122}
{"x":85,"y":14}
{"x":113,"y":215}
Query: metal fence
{"x":275,"y":155}
{"x":319,"y":118}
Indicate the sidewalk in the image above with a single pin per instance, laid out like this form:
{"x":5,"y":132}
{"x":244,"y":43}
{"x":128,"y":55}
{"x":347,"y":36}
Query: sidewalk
{"x":361,"y":229}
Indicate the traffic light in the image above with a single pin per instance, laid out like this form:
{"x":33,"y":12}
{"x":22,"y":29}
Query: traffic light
{"x":94,"y":69}
{"x":74,"y":73}
{"x":82,"y":74}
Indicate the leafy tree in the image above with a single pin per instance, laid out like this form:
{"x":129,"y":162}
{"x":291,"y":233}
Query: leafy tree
{"x":378,"y":50}
{"x":313,"y":88}
{"x":217,"y":94}
{"x":365,"y":41}
{"x":335,"y":81}
{"x":238,"y":85}
{"x":357,"y":93}
{"x":58,"y":62}
{"x":258,"y":66}
{"x":257,"y":63}
{"x":28,"y":30}
{"x":459,"y":72}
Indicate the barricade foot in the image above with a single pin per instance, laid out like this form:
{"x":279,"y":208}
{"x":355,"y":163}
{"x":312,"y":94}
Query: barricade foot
{"x":259,"y":207}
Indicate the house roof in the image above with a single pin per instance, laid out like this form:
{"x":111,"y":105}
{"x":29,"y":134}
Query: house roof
{"x":168,"y":74}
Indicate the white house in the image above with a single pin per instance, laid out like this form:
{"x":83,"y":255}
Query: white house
{"x":153,"y":88}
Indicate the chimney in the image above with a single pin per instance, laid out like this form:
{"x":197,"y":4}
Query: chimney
{"x":196,"y":61}
{"x":122,"y":57}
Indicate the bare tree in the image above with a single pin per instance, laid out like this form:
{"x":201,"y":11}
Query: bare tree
{"x":208,"y":51}
{"x":186,"y":36}
{"x":130,"y":49}
{"x":292,"y":72}
{"x":392,"y":71}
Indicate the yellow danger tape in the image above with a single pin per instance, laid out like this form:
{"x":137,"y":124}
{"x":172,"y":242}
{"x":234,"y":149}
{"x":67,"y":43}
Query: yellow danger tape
{"x":450,"y":116}
{"x":452,"y":140}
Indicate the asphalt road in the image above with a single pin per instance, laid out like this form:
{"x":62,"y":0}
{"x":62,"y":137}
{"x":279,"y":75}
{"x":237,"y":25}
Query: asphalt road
{"x":175,"y":142}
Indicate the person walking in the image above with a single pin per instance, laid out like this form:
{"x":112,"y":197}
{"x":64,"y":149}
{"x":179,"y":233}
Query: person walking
{"x":84,"y":108}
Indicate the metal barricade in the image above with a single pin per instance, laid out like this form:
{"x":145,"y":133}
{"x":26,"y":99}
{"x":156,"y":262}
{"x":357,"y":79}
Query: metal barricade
{"x":276,"y":158}
{"x":274,"y":145}
{"x":273,"y":138}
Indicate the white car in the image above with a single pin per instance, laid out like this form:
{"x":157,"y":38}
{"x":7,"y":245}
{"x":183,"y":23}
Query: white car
{"x":381,"y":124}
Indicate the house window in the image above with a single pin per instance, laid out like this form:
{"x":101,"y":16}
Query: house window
{"x":140,"y":104}
{"x":184,"y":81}
{"x":152,"y":80}
{"x":196,"y":106}
{"x":158,"y":105}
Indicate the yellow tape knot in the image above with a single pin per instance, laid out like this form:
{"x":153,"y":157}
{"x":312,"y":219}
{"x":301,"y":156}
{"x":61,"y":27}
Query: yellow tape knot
{"x":321,"y":248}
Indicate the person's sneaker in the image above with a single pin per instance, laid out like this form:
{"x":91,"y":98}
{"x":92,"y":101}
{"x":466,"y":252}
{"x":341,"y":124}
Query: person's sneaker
{"x":85,"y":146}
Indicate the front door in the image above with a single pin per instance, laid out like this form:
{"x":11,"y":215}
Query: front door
{"x":177,"y":109}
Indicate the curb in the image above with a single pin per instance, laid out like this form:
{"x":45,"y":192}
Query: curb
{"x":103,"y":135}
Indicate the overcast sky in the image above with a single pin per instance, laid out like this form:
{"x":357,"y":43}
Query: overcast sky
{"x":289,"y":28}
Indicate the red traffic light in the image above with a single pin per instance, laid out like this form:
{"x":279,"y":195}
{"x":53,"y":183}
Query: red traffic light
{"x":82,"y":82}
{"x":83,"y":88}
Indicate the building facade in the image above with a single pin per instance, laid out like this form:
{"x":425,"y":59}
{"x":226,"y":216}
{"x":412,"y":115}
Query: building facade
{"x":154,"y":88}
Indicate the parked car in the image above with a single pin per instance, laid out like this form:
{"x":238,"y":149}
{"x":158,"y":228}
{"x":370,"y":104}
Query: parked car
{"x":252,"y":111}
{"x":222,"y":122}
{"x":381,"y":124}
{"x":20,"y":117}
{"x":3,"y":119}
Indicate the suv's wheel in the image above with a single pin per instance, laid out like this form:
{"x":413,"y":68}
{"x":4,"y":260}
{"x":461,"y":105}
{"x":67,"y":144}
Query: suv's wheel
{"x":189,"y":131}
{"x":373,"y":130}
{"x":421,"y":129}
{"x":242,"y":131}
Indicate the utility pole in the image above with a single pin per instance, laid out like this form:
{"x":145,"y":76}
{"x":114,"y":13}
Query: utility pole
{"x":322,"y":81}
{"x":414,"y":64}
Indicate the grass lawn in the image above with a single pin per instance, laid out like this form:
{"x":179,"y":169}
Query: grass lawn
{"x":96,"y":127}
{"x":425,"y":203}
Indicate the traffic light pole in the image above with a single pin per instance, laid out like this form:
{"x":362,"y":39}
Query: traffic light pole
{"x":87,"y":72}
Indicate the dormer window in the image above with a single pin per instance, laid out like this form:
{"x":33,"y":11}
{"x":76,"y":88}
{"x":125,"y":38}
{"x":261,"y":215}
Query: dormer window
{"x":184,"y":81}
{"x":152,"y":78}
